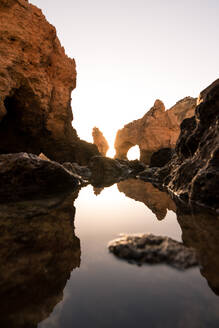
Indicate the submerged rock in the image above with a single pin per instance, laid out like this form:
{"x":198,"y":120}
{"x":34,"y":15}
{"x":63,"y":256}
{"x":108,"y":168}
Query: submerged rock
{"x":26,"y":176}
{"x":100,"y":141}
{"x":147,"y":248}
{"x":155,"y":130}
{"x":36,"y":81}
{"x":193,"y":173}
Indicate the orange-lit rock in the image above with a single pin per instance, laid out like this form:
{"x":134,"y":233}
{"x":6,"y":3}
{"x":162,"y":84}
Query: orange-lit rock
{"x":36,"y":81}
{"x":158,"y":202}
{"x":100,"y":141}
{"x":155,"y":130}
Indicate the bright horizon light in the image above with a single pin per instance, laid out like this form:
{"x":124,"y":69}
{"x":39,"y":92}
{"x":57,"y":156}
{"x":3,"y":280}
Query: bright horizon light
{"x":130,"y":53}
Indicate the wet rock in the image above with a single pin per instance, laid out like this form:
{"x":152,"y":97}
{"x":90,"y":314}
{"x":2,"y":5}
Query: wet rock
{"x":26,"y":176}
{"x":106,"y":171}
{"x":83,"y":172}
{"x":38,"y":251}
{"x":36,"y":81}
{"x":193,"y":171}
{"x":155,"y":130}
{"x":100,"y":141}
{"x":147,"y":248}
{"x":161,"y":157}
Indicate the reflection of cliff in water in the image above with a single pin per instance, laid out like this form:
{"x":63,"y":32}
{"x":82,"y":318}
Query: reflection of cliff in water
{"x":38,"y":250}
{"x":158,"y":202}
{"x":200,"y":229}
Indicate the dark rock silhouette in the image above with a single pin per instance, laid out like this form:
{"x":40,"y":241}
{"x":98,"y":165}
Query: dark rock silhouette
{"x":100,"y":141}
{"x":193,"y":172}
{"x":155,"y":130}
{"x":26,"y":176}
{"x":36,"y":80}
{"x":38,"y":251}
{"x":161,"y":157}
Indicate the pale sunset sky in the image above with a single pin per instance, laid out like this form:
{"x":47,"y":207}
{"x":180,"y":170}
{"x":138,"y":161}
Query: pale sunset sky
{"x":130,"y":52}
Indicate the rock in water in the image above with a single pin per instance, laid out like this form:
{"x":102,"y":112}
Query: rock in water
{"x":161,"y":157}
{"x":36,"y":80}
{"x":155,"y":130}
{"x":26,"y":176}
{"x":100,"y":141}
{"x":147,"y":248}
{"x":193,"y":173}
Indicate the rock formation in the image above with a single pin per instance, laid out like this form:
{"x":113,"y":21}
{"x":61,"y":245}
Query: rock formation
{"x":193,"y":172}
{"x":26,"y":176}
{"x":155,"y":130}
{"x":36,"y":80}
{"x":148,"y":248}
{"x":38,"y":251}
{"x":158,"y":202}
{"x":100,"y":141}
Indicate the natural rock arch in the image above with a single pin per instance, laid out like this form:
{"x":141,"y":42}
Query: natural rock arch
{"x":155,"y":130}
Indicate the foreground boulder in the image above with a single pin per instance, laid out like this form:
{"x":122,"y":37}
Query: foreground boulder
{"x":27,"y":176}
{"x":161,"y":157}
{"x":100,"y":141}
{"x":147,"y":248}
{"x":155,"y":130}
{"x":36,"y":81}
{"x":193,"y":173}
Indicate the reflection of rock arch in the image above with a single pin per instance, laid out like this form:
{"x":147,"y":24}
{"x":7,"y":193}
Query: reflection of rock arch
{"x":155,"y":130}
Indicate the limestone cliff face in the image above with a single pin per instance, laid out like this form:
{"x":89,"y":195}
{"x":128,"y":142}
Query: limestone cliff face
{"x":100,"y":141}
{"x":36,"y":80}
{"x":155,"y":130}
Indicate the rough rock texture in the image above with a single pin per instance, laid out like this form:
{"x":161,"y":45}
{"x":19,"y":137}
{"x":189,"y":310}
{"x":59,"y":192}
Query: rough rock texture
{"x":38,"y":251}
{"x":158,"y":202}
{"x":26,"y":176}
{"x":193,"y":173}
{"x":36,"y":80}
{"x":155,"y":130}
{"x":106,"y":171}
{"x":147,"y":248}
{"x":100,"y":141}
{"x":161,"y":157}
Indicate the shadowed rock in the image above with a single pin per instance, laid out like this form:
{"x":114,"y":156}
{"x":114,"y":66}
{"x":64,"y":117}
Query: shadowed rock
{"x":155,"y":130}
{"x":26,"y":176}
{"x":36,"y":81}
{"x":38,"y":251}
{"x":161,"y":157}
{"x":147,"y":248}
{"x":193,"y":172}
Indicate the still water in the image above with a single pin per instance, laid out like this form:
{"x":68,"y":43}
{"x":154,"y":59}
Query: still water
{"x":57,"y":272}
{"x":107,"y":292}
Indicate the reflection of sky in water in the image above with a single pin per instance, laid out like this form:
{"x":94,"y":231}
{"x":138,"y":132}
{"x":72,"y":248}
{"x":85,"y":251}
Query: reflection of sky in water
{"x":107,"y":292}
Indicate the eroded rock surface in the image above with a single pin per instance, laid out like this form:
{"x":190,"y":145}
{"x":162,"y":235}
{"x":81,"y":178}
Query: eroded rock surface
{"x":148,"y":248}
{"x":193,"y":173}
{"x":38,"y":251}
{"x":158,"y":202}
{"x":36,"y":80}
{"x":100,"y":141}
{"x":155,"y":130}
{"x":26,"y":176}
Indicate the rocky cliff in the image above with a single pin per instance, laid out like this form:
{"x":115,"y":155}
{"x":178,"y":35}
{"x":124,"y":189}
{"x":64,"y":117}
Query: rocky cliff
{"x":100,"y":141}
{"x":158,"y":128}
{"x":36,"y":81}
{"x":193,"y":172}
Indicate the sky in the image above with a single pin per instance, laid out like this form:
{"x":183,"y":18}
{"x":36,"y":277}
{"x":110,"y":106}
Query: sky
{"x":131,"y":52}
